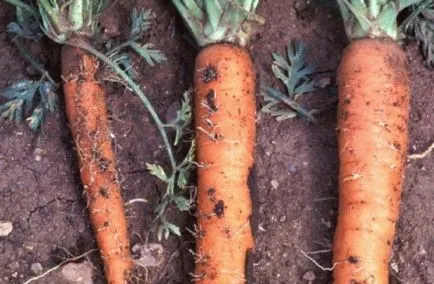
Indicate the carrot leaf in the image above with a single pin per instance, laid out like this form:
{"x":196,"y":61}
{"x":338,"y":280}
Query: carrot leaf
{"x":420,"y":25}
{"x":167,"y":228}
{"x":26,"y":25}
{"x":293,"y":72}
{"x":157,"y":171}
{"x":175,"y":191}
{"x":140,"y":22}
{"x":182,"y":119}
{"x":151,"y":55}
{"x":29,"y":99}
{"x":182,"y":203}
{"x":124,"y":61}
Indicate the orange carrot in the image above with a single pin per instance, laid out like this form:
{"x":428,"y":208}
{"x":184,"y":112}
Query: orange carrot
{"x":88,"y":119}
{"x":225,"y":117}
{"x":225,"y":121}
{"x":374,"y":94}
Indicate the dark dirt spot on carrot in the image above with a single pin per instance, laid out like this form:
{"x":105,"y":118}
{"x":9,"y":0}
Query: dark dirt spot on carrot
{"x":103,"y":164}
{"x":353,"y":259}
{"x":211,"y":194}
{"x":227,"y":232}
{"x":219,"y":208}
{"x":210,"y":100}
{"x":210,"y":74}
{"x":213,"y":276}
{"x":104,"y":192}
{"x":218,"y":136}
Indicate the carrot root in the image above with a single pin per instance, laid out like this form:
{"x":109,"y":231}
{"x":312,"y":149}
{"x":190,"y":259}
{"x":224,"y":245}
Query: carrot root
{"x":225,"y":115}
{"x":373,"y":112}
{"x":88,"y":118}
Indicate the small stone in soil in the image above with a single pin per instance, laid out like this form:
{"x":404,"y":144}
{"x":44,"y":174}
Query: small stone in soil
{"x":274,"y":184}
{"x":14,"y":265}
{"x":36,"y":268}
{"x":292,"y":168}
{"x":38,"y":154}
{"x":148,"y":255}
{"x":282,"y":219}
{"x":324,"y":82}
{"x":309,"y":276}
{"x":5,"y":228}
{"x":81,"y":273}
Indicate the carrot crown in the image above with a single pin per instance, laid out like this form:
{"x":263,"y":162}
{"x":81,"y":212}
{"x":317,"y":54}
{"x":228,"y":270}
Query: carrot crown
{"x":63,"y":19}
{"x":213,"y":21}
{"x":372,"y":18}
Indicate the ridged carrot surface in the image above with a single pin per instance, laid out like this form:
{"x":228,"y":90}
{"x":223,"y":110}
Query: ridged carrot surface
{"x":374,"y":93}
{"x":225,"y":116}
{"x":88,"y":118}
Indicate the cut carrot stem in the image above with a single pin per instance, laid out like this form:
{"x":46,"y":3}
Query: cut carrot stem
{"x":225,"y":115}
{"x":88,"y":118}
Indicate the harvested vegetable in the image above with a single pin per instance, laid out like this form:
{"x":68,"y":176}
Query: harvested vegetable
{"x":87,"y":115}
{"x":225,"y":110}
{"x":88,"y":118}
{"x":374,"y":94}
{"x":74,"y":24}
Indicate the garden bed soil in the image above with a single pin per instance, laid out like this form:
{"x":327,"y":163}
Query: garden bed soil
{"x":294,"y":182}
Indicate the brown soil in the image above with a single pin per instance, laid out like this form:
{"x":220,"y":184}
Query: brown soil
{"x":294,"y":183}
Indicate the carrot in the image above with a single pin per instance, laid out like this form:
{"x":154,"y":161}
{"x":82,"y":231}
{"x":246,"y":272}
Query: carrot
{"x":225,"y":110}
{"x":225,"y":121}
{"x":374,"y":93}
{"x":87,"y":114}
{"x":88,"y":118}
{"x":74,"y":24}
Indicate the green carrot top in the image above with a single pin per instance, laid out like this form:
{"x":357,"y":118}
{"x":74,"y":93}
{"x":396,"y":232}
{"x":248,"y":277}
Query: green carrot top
{"x":213,"y":21}
{"x":372,"y":18}
{"x":63,"y":19}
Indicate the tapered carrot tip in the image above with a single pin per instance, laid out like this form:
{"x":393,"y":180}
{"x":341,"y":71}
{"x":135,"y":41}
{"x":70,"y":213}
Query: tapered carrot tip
{"x":373,"y":112}
{"x":225,"y":111}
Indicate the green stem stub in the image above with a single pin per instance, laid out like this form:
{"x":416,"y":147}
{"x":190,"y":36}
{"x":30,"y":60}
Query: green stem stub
{"x":372,"y":18}
{"x":213,"y":21}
